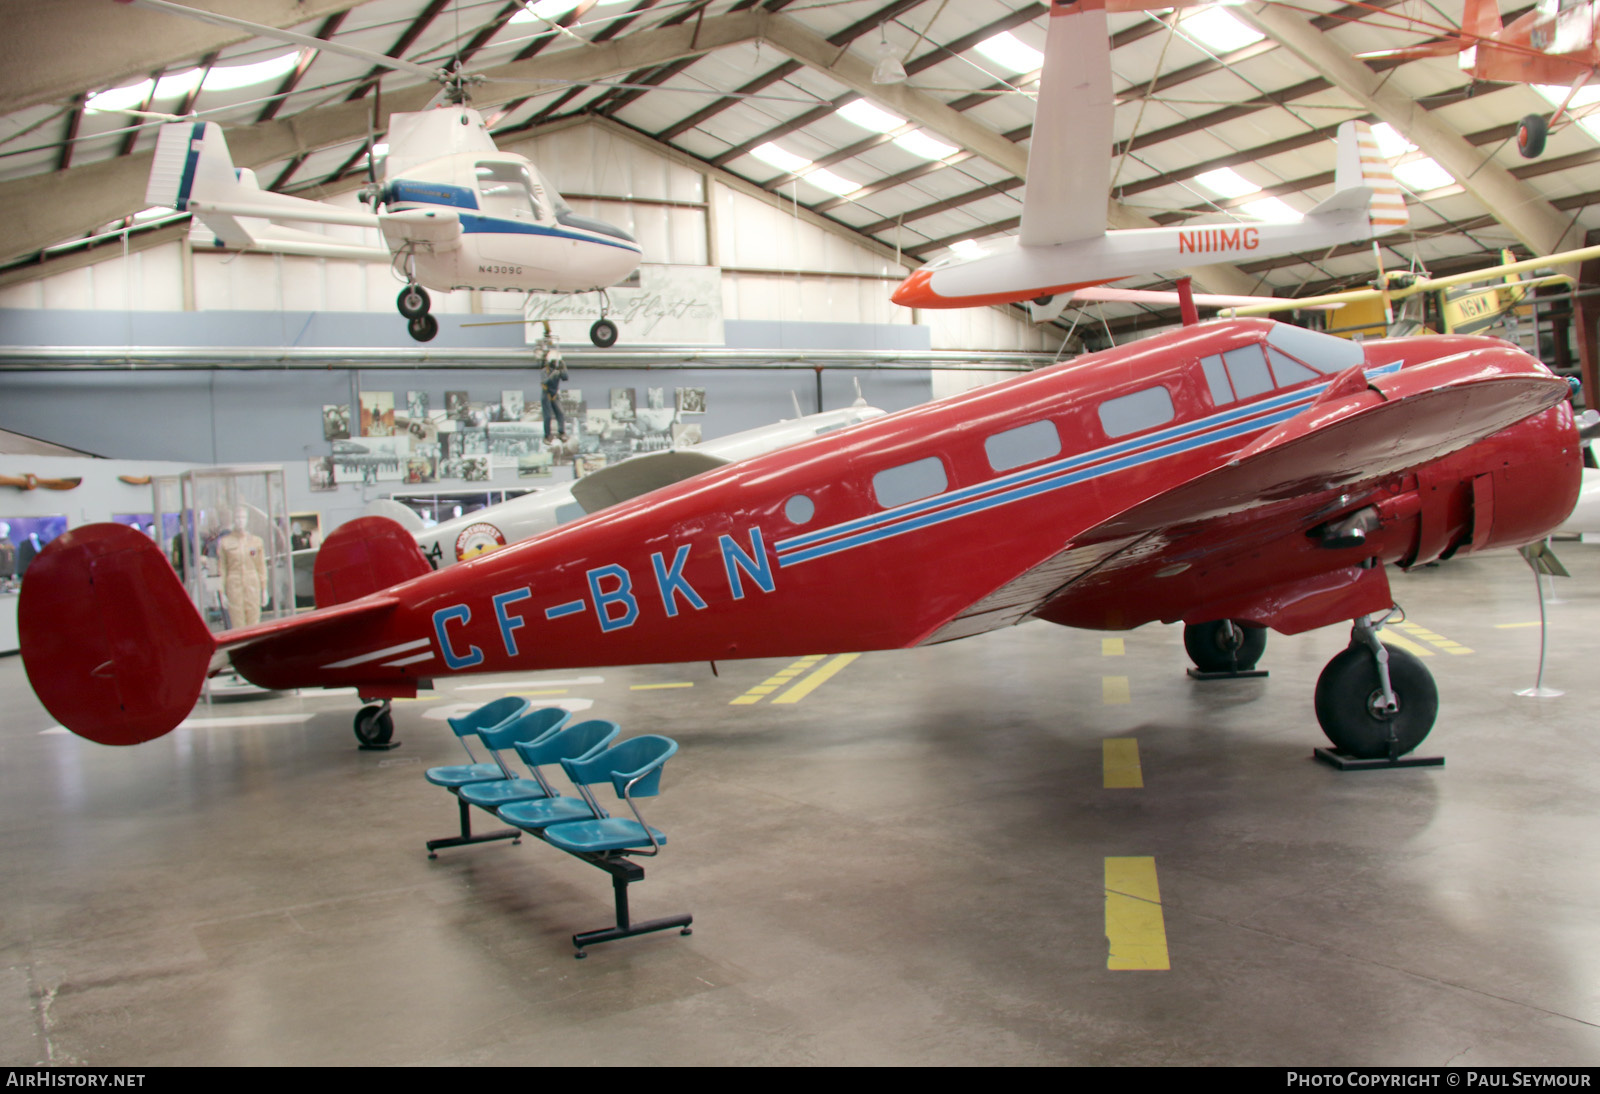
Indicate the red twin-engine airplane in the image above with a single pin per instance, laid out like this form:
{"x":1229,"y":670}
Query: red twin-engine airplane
{"x":1234,"y":472}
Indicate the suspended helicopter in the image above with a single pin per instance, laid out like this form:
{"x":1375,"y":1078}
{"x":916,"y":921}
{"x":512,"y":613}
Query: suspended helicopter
{"x":454,"y":211}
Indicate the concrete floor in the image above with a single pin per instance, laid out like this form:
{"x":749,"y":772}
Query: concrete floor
{"x":905,"y":867}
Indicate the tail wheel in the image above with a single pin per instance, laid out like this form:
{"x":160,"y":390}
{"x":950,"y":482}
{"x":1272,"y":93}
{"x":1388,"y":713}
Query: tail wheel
{"x":423,"y":328}
{"x":374,"y":724}
{"x":1531,"y":133}
{"x":603,"y":333}
{"x":1224,"y":645}
{"x":413,"y":301}
{"x":1351,"y":709}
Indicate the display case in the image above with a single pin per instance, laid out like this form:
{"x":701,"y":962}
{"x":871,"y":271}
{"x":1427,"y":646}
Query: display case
{"x":234,"y":550}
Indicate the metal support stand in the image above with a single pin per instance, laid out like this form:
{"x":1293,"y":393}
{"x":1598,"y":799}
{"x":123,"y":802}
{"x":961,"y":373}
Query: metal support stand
{"x":1226,"y":674}
{"x":1543,"y":562}
{"x":623,"y":872}
{"x":466,"y":836}
{"x":1334,"y":758}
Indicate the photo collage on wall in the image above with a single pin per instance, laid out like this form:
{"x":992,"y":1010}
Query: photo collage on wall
{"x":409,"y":437}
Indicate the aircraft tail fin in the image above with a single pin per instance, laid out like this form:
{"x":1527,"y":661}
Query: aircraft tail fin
{"x":110,"y":640}
{"x":1363,"y":179}
{"x":364,"y":556}
{"x":192,"y":161}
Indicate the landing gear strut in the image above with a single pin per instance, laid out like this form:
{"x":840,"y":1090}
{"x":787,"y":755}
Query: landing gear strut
{"x":604,"y":331}
{"x":1375,"y":702}
{"x":374,"y":727}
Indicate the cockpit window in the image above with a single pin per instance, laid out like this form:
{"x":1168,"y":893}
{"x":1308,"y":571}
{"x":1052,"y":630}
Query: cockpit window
{"x":1323,"y":352}
{"x":506,"y":190}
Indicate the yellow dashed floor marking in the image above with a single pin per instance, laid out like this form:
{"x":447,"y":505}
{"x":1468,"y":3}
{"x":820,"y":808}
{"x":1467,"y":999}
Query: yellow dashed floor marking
{"x":1136,"y":933}
{"x":1512,"y":626}
{"x":1120,"y":760}
{"x":816,"y":679}
{"x":657,"y":687}
{"x":1437,"y":640}
{"x":1114,"y":690}
{"x":773,"y":683}
{"x":1405,"y":643}
{"x":1111,"y":647}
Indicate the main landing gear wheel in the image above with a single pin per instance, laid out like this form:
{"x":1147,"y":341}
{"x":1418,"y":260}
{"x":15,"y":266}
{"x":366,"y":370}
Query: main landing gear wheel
{"x":1531,"y":133}
{"x":1224,"y":645}
{"x":1357,"y":717}
{"x":374,"y":726}
{"x":413,"y":302}
{"x":423,"y":328}
{"x":603,"y":333}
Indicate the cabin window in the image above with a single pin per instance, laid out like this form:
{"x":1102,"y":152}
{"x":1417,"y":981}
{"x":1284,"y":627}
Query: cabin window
{"x":506,"y":190}
{"x":1217,"y":380}
{"x":1248,"y":369}
{"x":1141,"y":410}
{"x":799,"y":509}
{"x":1287,"y":370}
{"x":1024,"y":444}
{"x":909,"y":482}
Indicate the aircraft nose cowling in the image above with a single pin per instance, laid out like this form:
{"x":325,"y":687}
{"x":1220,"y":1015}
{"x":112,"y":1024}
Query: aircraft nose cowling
{"x":915,"y":292}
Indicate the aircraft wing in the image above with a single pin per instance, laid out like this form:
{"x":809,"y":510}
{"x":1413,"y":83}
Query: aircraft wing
{"x":1069,"y":154}
{"x":1358,"y":431}
{"x":640,"y":475}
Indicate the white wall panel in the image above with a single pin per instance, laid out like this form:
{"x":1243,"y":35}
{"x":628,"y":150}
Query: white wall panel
{"x":586,"y":160}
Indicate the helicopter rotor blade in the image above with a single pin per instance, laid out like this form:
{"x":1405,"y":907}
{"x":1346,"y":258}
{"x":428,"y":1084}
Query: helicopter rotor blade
{"x":305,"y":41}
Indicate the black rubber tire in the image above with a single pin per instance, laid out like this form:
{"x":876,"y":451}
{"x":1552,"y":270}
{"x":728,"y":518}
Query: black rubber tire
{"x":1531,"y":134}
{"x":1347,"y":693}
{"x":374,"y":725}
{"x":603,"y":333}
{"x":1215,"y":647}
{"x":413,"y":301}
{"x":423,"y":328}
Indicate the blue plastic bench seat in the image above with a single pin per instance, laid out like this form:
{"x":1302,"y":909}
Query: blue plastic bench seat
{"x":594,"y":836}
{"x":499,"y":784}
{"x":536,"y":816}
{"x":492,"y":715}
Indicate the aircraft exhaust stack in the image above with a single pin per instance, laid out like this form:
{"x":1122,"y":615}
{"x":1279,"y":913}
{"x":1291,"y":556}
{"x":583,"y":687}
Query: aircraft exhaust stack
{"x":111,"y":642}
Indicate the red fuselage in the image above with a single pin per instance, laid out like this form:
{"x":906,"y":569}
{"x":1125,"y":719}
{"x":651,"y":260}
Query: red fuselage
{"x":1142,"y":483}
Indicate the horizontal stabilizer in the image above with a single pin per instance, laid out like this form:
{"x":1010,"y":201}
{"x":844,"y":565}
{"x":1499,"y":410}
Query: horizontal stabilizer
{"x":640,"y":475}
{"x":364,"y":556}
{"x":110,"y":640}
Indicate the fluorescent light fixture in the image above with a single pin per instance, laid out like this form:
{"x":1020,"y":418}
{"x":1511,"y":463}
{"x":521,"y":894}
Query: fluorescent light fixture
{"x":1219,"y":30}
{"x":1423,"y":174}
{"x":1269,"y":209}
{"x":830,"y":182}
{"x":1227,"y":182}
{"x":867,"y":116}
{"x":120,"y":98}
{"x":1009,"y":51}
{"x":1391,"y":143}
{"x":919,"y":143}
{"x":226,"y":78}
{"x":777,"y":157}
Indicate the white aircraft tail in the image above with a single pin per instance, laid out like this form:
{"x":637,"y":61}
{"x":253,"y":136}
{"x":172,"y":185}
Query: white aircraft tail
{"x":1363,"y":180}
{"x":192,"y":161}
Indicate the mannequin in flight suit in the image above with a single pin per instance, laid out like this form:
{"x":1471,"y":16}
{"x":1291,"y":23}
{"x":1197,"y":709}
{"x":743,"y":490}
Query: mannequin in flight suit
{"x":241,"y":560}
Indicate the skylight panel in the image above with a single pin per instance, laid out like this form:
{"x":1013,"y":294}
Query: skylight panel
{"x":226,"y":78}
{"x":1392,"y":144}
{"x":1010,"y":52}
{"x":919,"y":143}
{"x":1423,"y":175}
{"x":1269,"y":209}
{"x":831,"y":182}
{"x":779,"y":158}
{"x":120,"y":98}
{"x":1226,"y":182}
{"x":967,"y":248}
{"x":1219,"y":30}
{"x":1556,"y":94}
{"x":868,"y":116}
